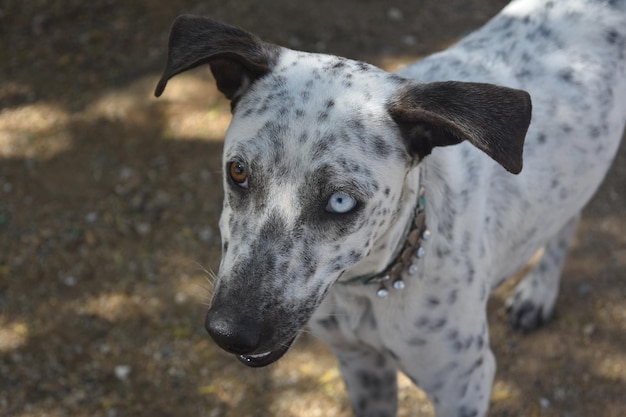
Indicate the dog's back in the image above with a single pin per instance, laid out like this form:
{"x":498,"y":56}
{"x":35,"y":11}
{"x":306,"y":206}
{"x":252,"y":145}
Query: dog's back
{"x":571,"y":57}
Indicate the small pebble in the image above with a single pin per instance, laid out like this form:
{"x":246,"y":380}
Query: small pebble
{"x":395,"y":14}
{"x":122,"y":372}
{"x":544,"y":402}
{"x":125,"y":173}
{"x":91,"y":217}
{"x":143,"y":229}
{"x":180,"y":298}
{"x":409,"y":40}
{"x":205,"y":234}
{"x":70,"y":281}
{"x":560,"y":394}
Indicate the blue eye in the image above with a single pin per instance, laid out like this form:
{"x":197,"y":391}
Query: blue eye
{"x":340,"y":203}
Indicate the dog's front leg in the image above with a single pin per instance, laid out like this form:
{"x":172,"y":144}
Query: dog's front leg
{"x":371,"y":381}
{"x":350,"y":330}
{"x":466,"y":390}
{"x":445,"y":350}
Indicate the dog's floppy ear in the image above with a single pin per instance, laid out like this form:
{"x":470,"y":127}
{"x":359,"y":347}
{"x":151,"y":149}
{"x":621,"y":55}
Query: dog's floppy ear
{"x":236,"y":57}
{"x":494,"y":119}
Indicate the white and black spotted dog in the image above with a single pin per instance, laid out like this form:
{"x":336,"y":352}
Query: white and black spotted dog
{"x":325,"y":221}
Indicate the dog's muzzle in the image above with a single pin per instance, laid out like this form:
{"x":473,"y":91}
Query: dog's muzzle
{"x":243,"y":337}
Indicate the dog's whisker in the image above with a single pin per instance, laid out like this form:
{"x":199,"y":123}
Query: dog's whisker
{"x":208,"y":274}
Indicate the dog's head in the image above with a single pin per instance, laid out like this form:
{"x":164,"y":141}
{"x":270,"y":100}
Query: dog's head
{"x":315,"y":162}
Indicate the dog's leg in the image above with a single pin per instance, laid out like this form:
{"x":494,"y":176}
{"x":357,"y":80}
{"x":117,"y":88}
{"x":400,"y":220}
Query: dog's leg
{"x":467,"y":391}
{"x":454,"y":365}
{"x":533,"y":299}
{"x":371,"y":381}
{"x":349,"y":329}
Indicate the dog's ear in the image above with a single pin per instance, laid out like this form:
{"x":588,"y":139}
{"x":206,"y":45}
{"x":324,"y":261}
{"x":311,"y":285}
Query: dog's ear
{"x":237,"y":58}
{"x":494,"y":119}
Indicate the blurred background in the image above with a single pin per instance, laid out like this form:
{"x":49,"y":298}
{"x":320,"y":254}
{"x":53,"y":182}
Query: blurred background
{"x":109,"y":200}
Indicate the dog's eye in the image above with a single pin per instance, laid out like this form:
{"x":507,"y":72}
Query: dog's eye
{"x":238,"y":174}
{"x":340,"y":203}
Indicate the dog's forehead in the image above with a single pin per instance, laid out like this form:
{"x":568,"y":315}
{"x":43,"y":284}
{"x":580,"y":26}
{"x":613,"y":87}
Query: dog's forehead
{"x":316,"y":109}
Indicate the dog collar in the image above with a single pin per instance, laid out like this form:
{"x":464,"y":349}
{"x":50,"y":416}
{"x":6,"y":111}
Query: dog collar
{"x":405,"y":262}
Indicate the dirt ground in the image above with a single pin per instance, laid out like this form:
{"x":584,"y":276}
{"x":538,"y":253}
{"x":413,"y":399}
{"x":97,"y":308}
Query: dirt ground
{"x":109,"y":200}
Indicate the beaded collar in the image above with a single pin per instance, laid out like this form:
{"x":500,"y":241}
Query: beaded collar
{"x":407,"y":256}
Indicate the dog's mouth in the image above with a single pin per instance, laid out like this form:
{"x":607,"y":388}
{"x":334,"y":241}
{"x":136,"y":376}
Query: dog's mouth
{"x":259,"y":360}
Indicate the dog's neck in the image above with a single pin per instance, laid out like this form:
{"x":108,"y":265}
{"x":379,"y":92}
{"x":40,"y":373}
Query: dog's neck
{"x":402,"y":243}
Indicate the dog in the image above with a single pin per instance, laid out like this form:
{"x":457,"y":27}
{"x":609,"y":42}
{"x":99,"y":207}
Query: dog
{"x":382,"y":209}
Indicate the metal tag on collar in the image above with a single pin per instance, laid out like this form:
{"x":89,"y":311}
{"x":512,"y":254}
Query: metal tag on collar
{"x":382,"y":292}
{"x":398,"y":284}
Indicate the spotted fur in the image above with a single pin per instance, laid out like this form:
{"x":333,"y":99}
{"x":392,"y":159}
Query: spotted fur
{"x":307,"y":126}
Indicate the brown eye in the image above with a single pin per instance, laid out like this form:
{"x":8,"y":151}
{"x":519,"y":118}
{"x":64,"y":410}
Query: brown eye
{"x":238,"y":174}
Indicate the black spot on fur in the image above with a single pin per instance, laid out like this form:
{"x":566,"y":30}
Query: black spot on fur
{"x":566,"y":75}
{"x":354,"y":256}
{"x":612,"y":36}
{"x":309,"y":263}
{"x":381,"y":147}
{"x":320,"y":148}
{"x":369,"y":380}
{"x":470,"y":271}
{"x":541,"y":138}
{"x":480,"y":342}
{"x":363,"y":67}
{"x":464,"y":411}
{"x":396,"y":79}
{"x":442,"y":252}
{"x":329,"y":323}
{"x":421,"y":322}
{"x":595,"y":132}
{"x":452,"y":297}
{"x":473,"y":368}
{"x":391,"y":353}
{"x":431,"y":325}
{"x":362,"y":404}
{"x":323,"y":116}
{"x":416,"y":341}
{"x":432,"y":302}
{"x":463,"y":390}
{"x":555,"y":184}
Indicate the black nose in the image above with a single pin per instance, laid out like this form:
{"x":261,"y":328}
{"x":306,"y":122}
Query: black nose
{"x":231,"y":333}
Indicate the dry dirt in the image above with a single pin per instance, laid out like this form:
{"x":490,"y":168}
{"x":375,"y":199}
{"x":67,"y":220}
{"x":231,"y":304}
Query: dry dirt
{"x":109,"y":202}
